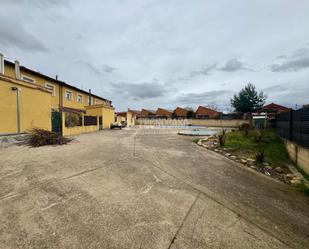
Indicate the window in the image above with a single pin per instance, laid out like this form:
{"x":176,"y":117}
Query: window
{"x":51,"y":87}
{"x":68,"y":95}
{"x":27,"y":79}
{"x":79,"y":98}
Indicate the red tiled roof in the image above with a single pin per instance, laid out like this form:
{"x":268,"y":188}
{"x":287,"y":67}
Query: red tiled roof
{"x":276,"y":107}
{"x":162,"y":112}
{"x":181,"y":112}
{"x":203,"y":111}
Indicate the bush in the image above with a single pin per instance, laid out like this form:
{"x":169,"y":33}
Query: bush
{"x":260,"y":139}
{"x":245,"y":129}
{"x":222,"y":137}
{"x":41,"y":137}
{"x":72,"y":119}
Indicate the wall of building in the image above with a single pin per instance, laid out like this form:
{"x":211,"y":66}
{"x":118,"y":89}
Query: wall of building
{"x":42,"y":81}
{"x":298,"y":155}
{"x":198,"y":122}
{"x":130,"y":119}
{"x":120,"y":119}
{"x":70,"y":131}
{"x":10,"y":71}
{"x":107,"y":113}
{"x":35,"y":105}
{"x":108,"y":116}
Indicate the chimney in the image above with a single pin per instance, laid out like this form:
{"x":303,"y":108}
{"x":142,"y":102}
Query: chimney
{"x":89,"y":97}
{"x":56,"y":77}
{"x":1,"y":64}
{"x":17,"y":70}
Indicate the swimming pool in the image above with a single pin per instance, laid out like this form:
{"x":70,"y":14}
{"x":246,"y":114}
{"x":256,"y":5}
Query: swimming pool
{"x":180,"y":127}
{"x":198,"y":132}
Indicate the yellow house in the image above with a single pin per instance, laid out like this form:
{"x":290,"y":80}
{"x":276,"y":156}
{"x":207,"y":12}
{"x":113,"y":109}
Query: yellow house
{"x":63,"y":97}
{"x":128,"y":118}
{"x":23,"y":106}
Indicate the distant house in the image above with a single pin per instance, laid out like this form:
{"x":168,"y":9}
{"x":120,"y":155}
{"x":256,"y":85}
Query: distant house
{"x":163,"y":113}
{"x":147,"y":113}
{"x":275,"y":108}
{"x":272,"y":109}
{"x":126,"y":119}
{"x":180,"y":112}
{"x":203,"y":112}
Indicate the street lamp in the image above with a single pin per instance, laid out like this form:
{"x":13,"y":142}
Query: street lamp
{"x":14,"y":88}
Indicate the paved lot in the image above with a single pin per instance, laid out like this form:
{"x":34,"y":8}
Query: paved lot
{"x":142,"y":189}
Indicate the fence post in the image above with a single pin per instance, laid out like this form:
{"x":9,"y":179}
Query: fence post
{"x":291,"y":124}
{"x":63,"y":123}
{"x":83,"y":122}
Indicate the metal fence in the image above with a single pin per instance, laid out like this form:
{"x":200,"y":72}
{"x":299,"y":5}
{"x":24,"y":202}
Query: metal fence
{"x":294,"y":126}
{"x":90,"y":120}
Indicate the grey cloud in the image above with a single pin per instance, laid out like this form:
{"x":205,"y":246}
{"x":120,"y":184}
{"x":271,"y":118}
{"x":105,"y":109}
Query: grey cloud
{"x":90,"y":67}
{"x":276,"y":88}
{"x":140,"y":91}
{"x":13,"y":34}
{"x":281,"y":56}
{"x":293,"y":65}
{"x":94,"y":69}
{"x":300,"y":52}
{"x":233,"y":65}
{"x":40,"y":3}
{"x":205,"y":71}
{"x":108,"y":69}
{"x":205,"y":97}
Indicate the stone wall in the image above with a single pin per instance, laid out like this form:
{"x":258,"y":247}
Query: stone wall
{"x":298,"y":154}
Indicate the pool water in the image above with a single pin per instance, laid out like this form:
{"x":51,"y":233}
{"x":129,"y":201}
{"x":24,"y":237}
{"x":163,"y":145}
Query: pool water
{"x":180,"y":126}
{"x":197,"y":132}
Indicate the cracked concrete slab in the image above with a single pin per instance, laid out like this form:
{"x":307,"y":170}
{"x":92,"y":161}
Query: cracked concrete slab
{"x":137,"y":189}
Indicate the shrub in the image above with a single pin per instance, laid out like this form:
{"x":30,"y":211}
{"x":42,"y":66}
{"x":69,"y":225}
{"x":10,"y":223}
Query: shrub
{"x":41,"y":137}
{"x":245,"y":129}
{"x":72,"y":119}
{"x":259,"y":139}
{"x":222,"y":137}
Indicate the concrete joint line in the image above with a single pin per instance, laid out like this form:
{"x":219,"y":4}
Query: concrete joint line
{"x":218,"y":202}
{"x":183,"y":221}
{"x":56,"y":180}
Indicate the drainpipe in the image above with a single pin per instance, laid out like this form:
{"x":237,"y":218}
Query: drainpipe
{"x":17,"y":70}
{"x":18,"y":107}
{"x":89,"y":97}
{"x":1,"y":64}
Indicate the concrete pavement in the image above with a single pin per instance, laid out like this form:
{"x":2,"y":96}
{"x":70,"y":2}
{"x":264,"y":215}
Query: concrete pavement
{"x":142,"y":189}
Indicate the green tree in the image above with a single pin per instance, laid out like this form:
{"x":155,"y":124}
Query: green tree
{"x":190,"y":114}
{"x":248,"y":99}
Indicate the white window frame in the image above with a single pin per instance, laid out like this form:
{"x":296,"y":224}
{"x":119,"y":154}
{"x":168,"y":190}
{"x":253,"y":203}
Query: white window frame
{"x":68,"y":91}
{"x":79,"y":95}
{"x":50,"y":85}
{"x":28,"y":79}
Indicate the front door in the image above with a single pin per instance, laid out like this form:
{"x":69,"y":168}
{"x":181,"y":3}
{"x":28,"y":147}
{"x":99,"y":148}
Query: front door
{"x":56,"y":118}
{"x":100,"y":123}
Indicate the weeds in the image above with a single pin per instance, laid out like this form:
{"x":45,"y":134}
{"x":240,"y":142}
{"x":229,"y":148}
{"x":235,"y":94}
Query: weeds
{"x":195,"y":140}
{"x":222,"y":137}
{"x":260,"y":154}
{"x":245,"y":128}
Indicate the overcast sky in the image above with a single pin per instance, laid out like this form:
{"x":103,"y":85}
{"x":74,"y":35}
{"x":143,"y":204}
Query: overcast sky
{"x":164,"y":53}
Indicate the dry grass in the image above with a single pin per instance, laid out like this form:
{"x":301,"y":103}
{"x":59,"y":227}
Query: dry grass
{"x":41,"y":137}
